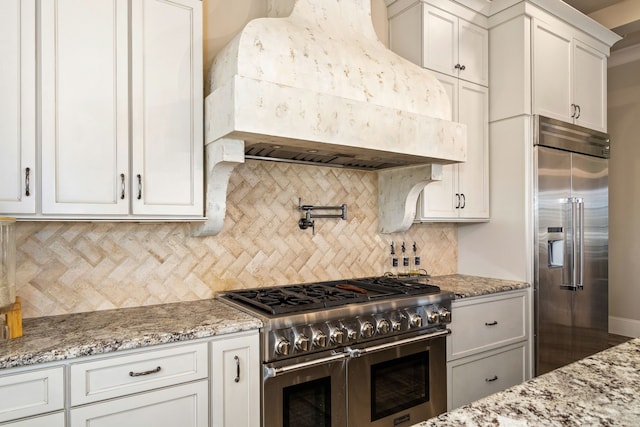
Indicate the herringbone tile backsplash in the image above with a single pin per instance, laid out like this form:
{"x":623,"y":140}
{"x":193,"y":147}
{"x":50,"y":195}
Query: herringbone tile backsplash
{"x":65,"y":267}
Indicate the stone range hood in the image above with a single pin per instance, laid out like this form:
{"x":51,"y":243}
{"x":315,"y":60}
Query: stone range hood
{"x":313,"y":84}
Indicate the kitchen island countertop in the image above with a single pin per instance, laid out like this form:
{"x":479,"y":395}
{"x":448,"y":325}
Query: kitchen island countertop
{"x":600,"y":390}
{"x":54,"y":338}
{"x":465,"y":286}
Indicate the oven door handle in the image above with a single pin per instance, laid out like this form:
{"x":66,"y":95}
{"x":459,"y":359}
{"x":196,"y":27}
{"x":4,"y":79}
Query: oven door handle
{"x":273,"y":372}
{"x":359,"y":352}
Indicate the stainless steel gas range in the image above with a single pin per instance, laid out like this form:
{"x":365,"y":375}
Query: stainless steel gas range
{"x":359,"y":352}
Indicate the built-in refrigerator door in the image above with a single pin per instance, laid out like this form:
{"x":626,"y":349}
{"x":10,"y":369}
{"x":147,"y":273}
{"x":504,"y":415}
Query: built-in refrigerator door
{"x":570,"y":275}
{"x":554,"y":302}
{"x":590,"y":316}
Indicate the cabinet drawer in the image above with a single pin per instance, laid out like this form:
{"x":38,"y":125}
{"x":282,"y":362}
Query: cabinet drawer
{"x":51,"y":420}
{"x":118,"y":376}
{"x":31,"y":393}
{"x":480,"y":324}
{"x":476,"y":377}
{"x":184,"y":405}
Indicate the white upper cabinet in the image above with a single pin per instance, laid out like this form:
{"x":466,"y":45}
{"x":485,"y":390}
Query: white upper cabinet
{"x":85,"y":123}
{"x":167,"y":143}
{"x":17,"y":107}
{"x":440,"y":41}
{"x":463,"y":192}
{"x":569,"y":77}
{"x":121,"y":95}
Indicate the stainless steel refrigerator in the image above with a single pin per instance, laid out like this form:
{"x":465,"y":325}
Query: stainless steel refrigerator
{"x":571,"y":237}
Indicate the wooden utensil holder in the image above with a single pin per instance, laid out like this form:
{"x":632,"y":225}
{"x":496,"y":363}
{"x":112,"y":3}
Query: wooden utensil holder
{"x":13,"y":314}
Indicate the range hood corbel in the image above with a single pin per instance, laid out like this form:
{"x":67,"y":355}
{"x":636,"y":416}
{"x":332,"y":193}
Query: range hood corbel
{"x":398,"y":191}
{"x":221,"y":157}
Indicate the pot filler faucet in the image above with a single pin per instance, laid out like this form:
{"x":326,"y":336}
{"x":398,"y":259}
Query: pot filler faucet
{"x":308,"y":220}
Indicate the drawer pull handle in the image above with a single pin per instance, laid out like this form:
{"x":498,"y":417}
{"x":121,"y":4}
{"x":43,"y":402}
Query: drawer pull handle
{"x":490,"y":380}
{"x":237,"y":359}
{"x":139,"y":374}
{"x":494,"y":323}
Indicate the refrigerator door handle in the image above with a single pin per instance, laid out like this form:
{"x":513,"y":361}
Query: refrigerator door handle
{"x":575,"y":243}
{"x":580,"y":228}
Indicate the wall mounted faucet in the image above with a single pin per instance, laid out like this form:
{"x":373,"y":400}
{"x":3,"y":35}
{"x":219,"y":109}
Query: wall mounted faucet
{"x":308,"y":219}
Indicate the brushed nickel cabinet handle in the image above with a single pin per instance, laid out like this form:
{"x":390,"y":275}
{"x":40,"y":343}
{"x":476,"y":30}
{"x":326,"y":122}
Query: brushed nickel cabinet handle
{"x":27,"y":190}
{"x":149,"y":372}
{"x":237,"y":378}
{"x":122,"y":187}
{"x":139,"y":186}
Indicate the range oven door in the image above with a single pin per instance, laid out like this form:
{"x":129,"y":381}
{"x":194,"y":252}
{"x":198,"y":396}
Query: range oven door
{"x":305,"y":393}
{"x":398,"y":383}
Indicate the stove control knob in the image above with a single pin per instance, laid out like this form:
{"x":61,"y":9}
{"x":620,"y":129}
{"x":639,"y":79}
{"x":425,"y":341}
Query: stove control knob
{"x":282,"y":347}
{"x":320,"y":340}
{"x":337,"y":336}
{"x":433,"y":317}
{"x":383,"y":327}
{"x":366,"y":330}
{"x":352,"y":334}
{"x":445,"y":315}
{"x":396,"y":326}
{"x":415,"y":321}
{"x":302,"y":343}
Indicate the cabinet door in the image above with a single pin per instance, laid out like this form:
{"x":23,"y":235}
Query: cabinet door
{"x":17,"y":106}
{"x":473,"y":175}
{"x":439,"y":199}
{"x":84,"y":107}
{"x":167,"y":107}
{"x":440,"y":40}
{"x":184,"y":406}
{"x":473,"y":48}
{"x":590,"y":86}
{"x":235,"y":382}
{"x":552,"y":70}
{"x":31,"y":392}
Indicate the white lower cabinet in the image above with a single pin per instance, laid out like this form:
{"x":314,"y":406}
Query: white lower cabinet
{"x":474,"y":377}
{"x":31,"y":392}
{"x":488,"y":349}
{"x":235,"y":381}
{"x":202,"y":383}
{"x":184,"y":405}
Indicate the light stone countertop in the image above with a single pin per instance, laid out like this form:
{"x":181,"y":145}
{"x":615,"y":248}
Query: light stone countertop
{"x":600,"y":390}
{"x":472,"y":286}
{"x":49,"y":339}
{"x":55,"y":338}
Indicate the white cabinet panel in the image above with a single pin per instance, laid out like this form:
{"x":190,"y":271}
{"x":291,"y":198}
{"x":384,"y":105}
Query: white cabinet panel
{"x":84,"y":106}
{"x":463,"y":192}
{"x":483,"y":323}
{"x":440,"y":41}
{"x":569,"y":77}
{"x":167,"y":107}
{"x":475,"y":377}
{"x":118,"y":376}
{"x":590,"y":86}
{"x":31,"y":393}
{"x":185,"y":406}
{"x":552,"y":72}
{"x":17,"y":106}
{"x":235,"y":381}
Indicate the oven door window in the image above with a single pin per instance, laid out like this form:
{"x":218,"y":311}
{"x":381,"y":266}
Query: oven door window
{"x":308,"y":404}
{"x":399,"y":384}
